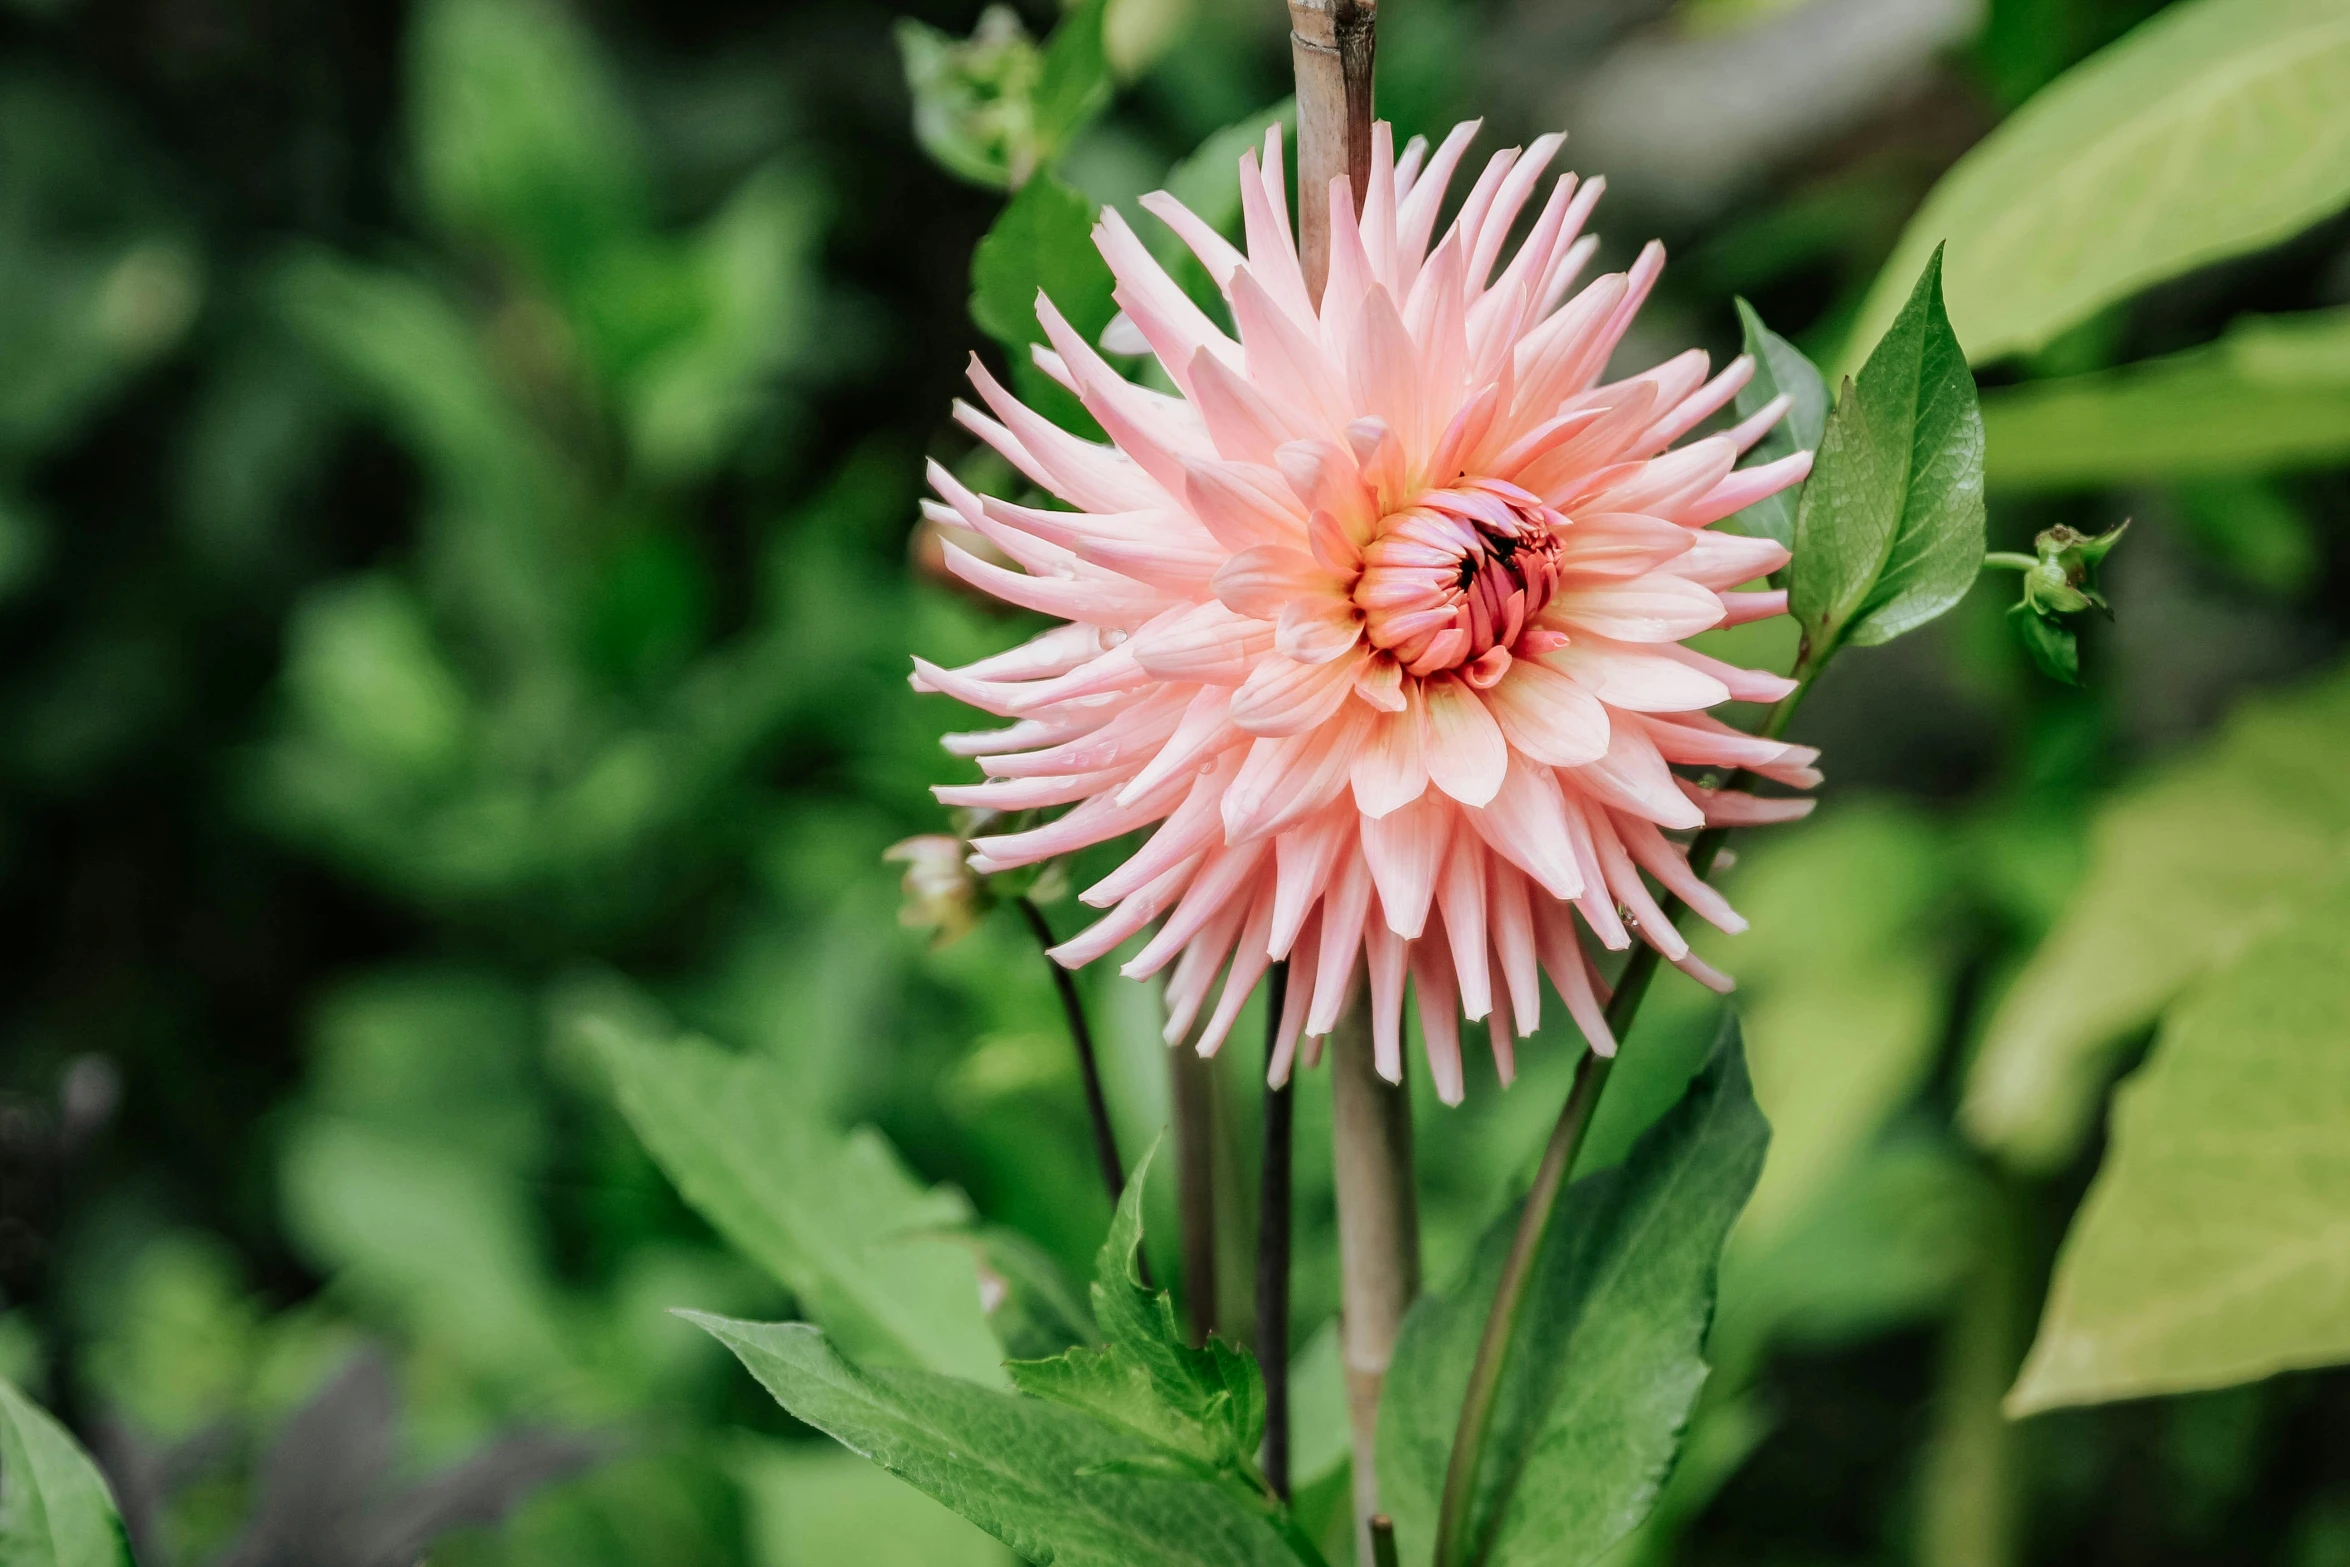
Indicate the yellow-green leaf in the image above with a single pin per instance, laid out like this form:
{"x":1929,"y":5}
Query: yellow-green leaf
{"x":2212,"y":130}
{"x":2214,"y":1247}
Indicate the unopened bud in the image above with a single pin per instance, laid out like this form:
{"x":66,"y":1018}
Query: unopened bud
{"x":943,"y":894}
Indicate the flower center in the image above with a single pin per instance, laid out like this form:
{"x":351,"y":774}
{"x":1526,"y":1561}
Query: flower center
{"x":1452,"y":579}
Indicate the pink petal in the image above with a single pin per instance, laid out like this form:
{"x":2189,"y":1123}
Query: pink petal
{"x":1404,"y":848}
{"x":1548,"y":715}
{"x":1465,"y":750}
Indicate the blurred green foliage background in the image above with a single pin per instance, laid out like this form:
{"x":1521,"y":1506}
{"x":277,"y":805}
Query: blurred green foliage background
{"x":458,"y":559}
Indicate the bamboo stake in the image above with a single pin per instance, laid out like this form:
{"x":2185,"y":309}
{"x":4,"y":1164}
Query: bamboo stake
{"x":1332,"y":44}
{"x":1378,"y":1239}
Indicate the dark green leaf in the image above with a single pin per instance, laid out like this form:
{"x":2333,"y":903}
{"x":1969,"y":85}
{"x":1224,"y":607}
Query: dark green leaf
{"x":839,"y":1220}
{"x":1054,"y":1483}
{"x":1609,"y":1355}
{"x":1042,"y":242}
{"x":1890,"y":530}
{"x":1206,"y":1406}
{"x":55,"y":1510}
{"x":1779,"y":367}
{"x":2055,"y":650}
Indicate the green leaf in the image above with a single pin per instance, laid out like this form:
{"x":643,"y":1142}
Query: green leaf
{"x":2272,"y":394}
{"x":2055,"y":651}
{"x":1208,"y":181}
{"x":55,"y":1509}
{"x":1889,"y":533}
{"x":839,"y":1220}
{"x":1844,"y":985}
{"x":1052,"y":1482}
{"x":993,"y":108}
{"x":2212,"y":130}
{"x":1042,"y":243}
{"x":1205,"y":1407}
{"x":819,"y":1506}
{"x":1779,"y":367}
{"x":1609,"y":1354}
{"x":2185,"y":870}
{"x":2214,"y":1247}
{"x":520,"y":133}
{"x":1074,"y":84}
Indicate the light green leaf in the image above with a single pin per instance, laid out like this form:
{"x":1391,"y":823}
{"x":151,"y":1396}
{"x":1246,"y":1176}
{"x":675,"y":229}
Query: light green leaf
{"x":520,"y":134}
{"x":750,"y":271}
{"x":1052,"y":1482}
{"x":1843,"y":991}
{"x":2214,"y":1247}
{"x":1608,"y":1358}
{"x":2212,"y":130}
{"x":2273,"y":393}
{"x":1208,"y":181}
{"x":2185,"y":870}
{"x":1779,"y":366}
{"x":839,"y":1220}
{"x":1204,"y":1407}
{"x":55,"y":1509}
{"x":821,"y":1506}
{"x":1889,"y":533}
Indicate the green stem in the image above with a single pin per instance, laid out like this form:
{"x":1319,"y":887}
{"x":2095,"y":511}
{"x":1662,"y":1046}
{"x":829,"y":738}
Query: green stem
{"x":1383,"y":1541}
{"x":1454,"y":1545}
{"x":2010,"y":560}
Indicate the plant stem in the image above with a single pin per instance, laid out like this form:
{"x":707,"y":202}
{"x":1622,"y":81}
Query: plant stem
{"x":1378,"y":1237}
{"x":1273,"y":1214}
{"x":1383,"y":1541}
{"x":1193,"y":1105}
{"x":1097,"y":1107}
{"x":1970,"y":1497}
{"x":1455,"y":1544}
{"x":2011,"y":560}
{"x":1089,"y":1068}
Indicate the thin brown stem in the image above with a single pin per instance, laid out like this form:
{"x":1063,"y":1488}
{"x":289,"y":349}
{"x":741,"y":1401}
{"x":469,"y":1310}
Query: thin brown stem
{"x":1273,"y":1215}
{"x":1456,"y":1541}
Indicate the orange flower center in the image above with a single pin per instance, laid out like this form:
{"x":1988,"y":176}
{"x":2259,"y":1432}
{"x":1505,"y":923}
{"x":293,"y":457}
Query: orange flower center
{"x":1452,"y":579}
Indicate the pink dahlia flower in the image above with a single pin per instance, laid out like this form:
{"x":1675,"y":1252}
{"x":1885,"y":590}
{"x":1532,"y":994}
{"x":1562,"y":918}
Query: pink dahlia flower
{"x":1381,"y":620}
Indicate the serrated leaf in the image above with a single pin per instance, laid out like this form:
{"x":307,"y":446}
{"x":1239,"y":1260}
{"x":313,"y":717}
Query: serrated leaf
{"x":55,"y":1509}
{"x":1052,"y":1482}
{"x":2214,"y":1247}
{"x":1889,"y":533}
{"x":1779,"y":367}
{"x":1206,"y":1406}
{"x":839,"y":1220}
{"x":2272,"y":394}
{"x":2185,"y":869}
{"x":2212,"y":130}
{"x":1608,"y":1359}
